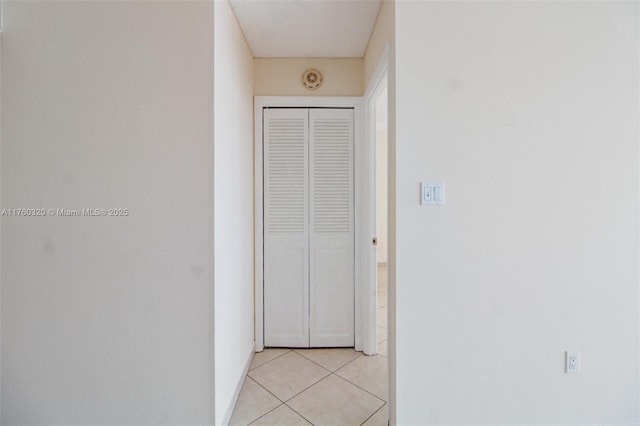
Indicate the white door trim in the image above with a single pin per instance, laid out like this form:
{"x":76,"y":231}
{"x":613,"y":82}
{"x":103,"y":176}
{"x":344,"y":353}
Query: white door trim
{"x":362,"y":228}
{"x":378,"y":83}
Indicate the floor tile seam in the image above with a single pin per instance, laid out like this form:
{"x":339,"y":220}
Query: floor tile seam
{"x":349,"y":362}
{"x":309,"y":359}
{"x":263,"y":387}
{"x":275,"y":408}
{"x":374,"y":413}
{"x":267,"y":362}
{"x":311,"y":385}
{"x":332,"y":371}
{"x":360,"y":387}
{"x":300,"y":414}
{"x":339,"y":377}
{"x":308,"y":387}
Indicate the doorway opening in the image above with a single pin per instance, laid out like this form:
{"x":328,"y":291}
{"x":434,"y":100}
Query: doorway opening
{"x":314,"y":384}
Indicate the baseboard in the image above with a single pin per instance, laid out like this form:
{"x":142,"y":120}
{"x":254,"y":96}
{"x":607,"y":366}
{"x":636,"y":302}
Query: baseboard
{"x":236,"y":393}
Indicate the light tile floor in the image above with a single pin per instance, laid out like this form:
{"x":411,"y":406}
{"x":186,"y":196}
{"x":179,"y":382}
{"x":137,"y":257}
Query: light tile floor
{"x":332,"y":386}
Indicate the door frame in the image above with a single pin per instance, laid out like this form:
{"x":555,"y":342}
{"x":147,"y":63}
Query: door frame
{"x":378,"y":83}
{"x":364,"y":297}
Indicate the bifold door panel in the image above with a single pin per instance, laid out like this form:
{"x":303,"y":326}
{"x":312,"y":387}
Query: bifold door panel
{"x":286,"y":230}
{"x":331,"y":241}
{"x":308,"y":234}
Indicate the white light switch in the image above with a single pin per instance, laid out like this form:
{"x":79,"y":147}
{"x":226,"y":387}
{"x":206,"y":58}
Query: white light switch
{"x":427,"y":193}
{"x":432,"y":193}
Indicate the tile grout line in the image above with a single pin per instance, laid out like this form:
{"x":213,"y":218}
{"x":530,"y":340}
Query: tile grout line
{"x":273,"y":409}
{"x":321,"y":379}
{"x":314,"y":383}
{"x":300,"y":414}
{"x":267,"y":390}
{"x":333,"y":371}
{"x":267,"y":362}
{"x":260,"y":384}
{"x":311,"y":385}
{"x":339,"y":377}
{"x":350,"y":362}
{"x":345,"y":379}
{"x":303,"y":417}
{"x":270,"y":393}
{"x":284,"y":402}
{"x":361,"y":388}
{"x":374,"y":413}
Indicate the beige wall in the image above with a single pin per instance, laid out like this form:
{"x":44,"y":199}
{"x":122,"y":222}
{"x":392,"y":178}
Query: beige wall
{"x":528,"y":111}
{"x":233,"y":208}
{"x":283,"y":76}
{"x":107,"y":320}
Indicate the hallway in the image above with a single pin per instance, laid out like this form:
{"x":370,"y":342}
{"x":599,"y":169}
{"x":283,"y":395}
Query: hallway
{"x":333,"y":386}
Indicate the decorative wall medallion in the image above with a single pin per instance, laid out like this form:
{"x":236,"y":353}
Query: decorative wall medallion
{"x":311,"y":79}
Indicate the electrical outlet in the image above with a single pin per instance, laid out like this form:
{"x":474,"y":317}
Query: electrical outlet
{"x":572,"y":362}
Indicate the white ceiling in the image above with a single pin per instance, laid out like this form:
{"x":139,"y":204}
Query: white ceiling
{"x":306,"y":28}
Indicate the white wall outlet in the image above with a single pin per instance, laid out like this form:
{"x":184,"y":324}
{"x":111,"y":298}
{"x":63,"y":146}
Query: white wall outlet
{"x":431,"y":193}
{"x":572,"y":362}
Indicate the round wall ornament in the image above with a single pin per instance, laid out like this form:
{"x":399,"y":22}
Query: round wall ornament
{"x":311,"y":79}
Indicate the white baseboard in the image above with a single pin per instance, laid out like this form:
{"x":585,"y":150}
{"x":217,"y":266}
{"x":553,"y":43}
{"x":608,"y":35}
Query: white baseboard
{"x":236,"y":393}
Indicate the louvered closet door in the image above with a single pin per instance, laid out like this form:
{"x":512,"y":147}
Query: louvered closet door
{"x":286,"y":227}
{"x":308,"y":228}
{"x":332,"y":257}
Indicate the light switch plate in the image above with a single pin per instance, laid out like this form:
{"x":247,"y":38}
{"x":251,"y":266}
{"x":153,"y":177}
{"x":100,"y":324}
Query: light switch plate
{"x":432,"y":193}
{"x":572,"y":362}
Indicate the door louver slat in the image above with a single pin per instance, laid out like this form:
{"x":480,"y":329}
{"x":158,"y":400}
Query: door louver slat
{"x":332,"y":169}
{"x":286,"y":178}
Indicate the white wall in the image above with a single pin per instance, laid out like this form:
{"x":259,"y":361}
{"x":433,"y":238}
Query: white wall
{"x":233,"y":207}
{"x":529,"y":113}
{"x":382,"y":149}
{"x":283,"y":76}
{"x":107,"y":320}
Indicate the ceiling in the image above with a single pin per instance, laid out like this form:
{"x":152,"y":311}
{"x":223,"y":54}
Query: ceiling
{"x":307,"y":28}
